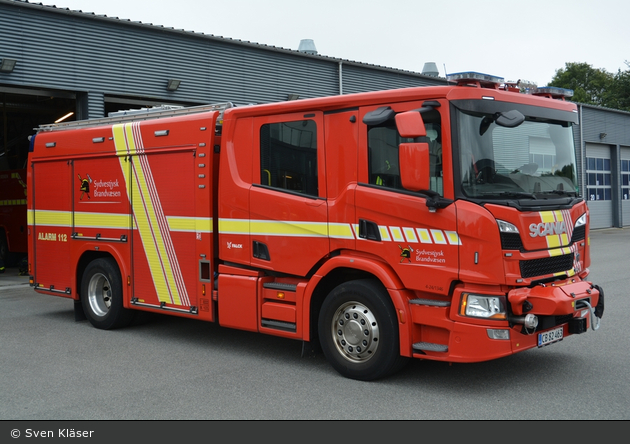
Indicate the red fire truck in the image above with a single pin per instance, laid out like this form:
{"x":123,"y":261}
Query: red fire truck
{"x":13,"y":240}
{"x":439,"y":223}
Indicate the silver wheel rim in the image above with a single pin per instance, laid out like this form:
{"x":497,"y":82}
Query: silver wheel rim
{"x":355,"y":332}
{"x":99,"y":294}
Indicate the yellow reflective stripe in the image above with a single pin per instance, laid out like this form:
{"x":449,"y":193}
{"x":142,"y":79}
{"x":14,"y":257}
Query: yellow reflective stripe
{"x":102,"y":220}
{"x":52,"y":218}
{"x":425,"y":237}
{"x":336,"y":230}
{"x":288,"y":228}
{"x":547,"y":216}
{"x":124,"y":146}
{"x":203,"y":225}
{"x":234,"y":226}
{"x":438,"y":237}
{"x":384,"y":234}
{"x":453,"y":238}
{"x":155,"y":237}
{"x":340,"y":231}
{"x":553,"y":241}
{"x":410,"y":235}
{"x":397,"y":234}
{"x":190,"y":224}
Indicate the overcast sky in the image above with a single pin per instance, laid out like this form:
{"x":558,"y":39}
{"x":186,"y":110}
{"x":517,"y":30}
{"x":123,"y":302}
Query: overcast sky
{"x":527,"y":39}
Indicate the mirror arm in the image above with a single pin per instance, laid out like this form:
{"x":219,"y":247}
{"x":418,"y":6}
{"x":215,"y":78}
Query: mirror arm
{"x":435,"y":201}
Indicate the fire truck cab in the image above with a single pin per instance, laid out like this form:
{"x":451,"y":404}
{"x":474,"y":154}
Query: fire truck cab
{"x":440,"y":223}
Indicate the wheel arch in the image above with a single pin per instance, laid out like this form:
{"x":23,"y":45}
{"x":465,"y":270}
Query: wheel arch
{"x":86,"y":258}
{"x":344,"y":269}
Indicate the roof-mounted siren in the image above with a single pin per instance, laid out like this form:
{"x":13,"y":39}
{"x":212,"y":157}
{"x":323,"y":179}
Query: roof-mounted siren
{"x":477,"y":79}
{"x":553,"y":92}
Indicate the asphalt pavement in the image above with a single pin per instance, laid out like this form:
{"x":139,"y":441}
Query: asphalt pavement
{"x":167,"y":368}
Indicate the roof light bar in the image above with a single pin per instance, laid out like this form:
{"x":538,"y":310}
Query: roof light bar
{"x":554,"y":92}
{"x":476,"y":78}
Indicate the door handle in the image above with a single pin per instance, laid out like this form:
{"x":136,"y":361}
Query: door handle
{"x":369,"y":230}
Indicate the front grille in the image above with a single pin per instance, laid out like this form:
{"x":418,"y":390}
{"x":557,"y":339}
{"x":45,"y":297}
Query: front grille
{"x":578,"y":234}
{"x":546,"y":265}
{"x":511,"y":241}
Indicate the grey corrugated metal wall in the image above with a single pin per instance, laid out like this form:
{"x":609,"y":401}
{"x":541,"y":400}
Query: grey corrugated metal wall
{"x":69,"y":50}
{"x":604,"y":133}
{"x":107,"y":59}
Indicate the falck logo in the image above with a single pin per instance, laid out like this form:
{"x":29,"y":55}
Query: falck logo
{"x":231,"y":245}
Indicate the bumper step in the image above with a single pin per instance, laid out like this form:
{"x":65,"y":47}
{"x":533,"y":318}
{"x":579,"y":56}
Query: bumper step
{"x":428,"y":346}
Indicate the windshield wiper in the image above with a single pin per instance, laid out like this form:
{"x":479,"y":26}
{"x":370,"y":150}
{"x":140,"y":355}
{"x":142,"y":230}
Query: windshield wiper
{"x":562,"y":193}
{"x":518,"y":195}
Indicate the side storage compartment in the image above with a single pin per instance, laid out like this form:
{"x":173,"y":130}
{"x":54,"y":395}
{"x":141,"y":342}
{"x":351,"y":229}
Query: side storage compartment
{"x":237,"y":298}
{"x":51,"y":224}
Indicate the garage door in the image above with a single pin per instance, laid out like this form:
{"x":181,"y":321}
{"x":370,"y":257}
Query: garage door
{"x":599,"y":185}
{"x":625,"y":186}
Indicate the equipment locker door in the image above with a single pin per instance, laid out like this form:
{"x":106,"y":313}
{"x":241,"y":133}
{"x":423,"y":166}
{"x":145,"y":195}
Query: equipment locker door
{"x":163,"y":205}
{"x":161,"y":183}
{"x":52,"y":225}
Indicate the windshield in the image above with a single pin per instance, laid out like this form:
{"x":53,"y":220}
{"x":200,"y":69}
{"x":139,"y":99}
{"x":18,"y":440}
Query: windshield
{"x":534,"y":160}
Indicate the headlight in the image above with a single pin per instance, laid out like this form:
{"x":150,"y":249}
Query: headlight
{"x":487,"y":307}
{"x":506,"y":227}
{"x":581,"y":221}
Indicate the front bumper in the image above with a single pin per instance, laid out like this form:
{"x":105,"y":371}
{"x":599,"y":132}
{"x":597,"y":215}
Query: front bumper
{"x":443,"y":334}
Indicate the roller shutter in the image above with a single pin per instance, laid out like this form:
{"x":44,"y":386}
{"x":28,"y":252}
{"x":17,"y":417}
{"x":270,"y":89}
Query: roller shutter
{"x":625,"y":186}
{"x":599,"y":185}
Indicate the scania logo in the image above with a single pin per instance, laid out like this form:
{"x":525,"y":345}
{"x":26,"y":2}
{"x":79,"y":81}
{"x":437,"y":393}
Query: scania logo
{"x":547,"y":229}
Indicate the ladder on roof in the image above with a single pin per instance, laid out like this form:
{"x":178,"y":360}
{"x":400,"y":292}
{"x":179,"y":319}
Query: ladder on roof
{"x":135,"y":115}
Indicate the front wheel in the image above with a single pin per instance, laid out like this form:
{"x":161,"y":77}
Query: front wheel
{"x":102,"y":296}
{"x":358,"y":331}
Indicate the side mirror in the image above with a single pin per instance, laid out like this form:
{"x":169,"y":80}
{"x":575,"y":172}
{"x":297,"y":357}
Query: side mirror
{"x":410,"y":125}
{"x":510,"y":119}
{"x":506,"y":119}
{"x":413,"y":161}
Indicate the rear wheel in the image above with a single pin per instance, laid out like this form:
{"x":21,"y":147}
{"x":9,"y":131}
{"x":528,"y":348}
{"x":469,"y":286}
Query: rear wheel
{"x":102,"y":296}
{"x":358,"y":331}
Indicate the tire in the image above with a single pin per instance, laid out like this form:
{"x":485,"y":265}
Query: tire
{"x":358,"y":331}
{"x":102,"y":295}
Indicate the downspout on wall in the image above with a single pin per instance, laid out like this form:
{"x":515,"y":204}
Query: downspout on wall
{"x":341,"y":78}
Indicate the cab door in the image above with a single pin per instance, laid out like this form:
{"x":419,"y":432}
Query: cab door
{"x":420,"y":243}
{"x":289,"y":225}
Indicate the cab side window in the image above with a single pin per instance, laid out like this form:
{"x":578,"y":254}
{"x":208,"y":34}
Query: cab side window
{"x":288,"y":156}
{"x":383,"y":142}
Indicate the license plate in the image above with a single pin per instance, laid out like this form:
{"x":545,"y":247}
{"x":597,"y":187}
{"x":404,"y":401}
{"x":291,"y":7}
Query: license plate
{"x":550,"y":336}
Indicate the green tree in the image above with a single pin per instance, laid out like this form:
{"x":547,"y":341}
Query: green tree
{"x":620,"y":91}
{"x":590,"y":85}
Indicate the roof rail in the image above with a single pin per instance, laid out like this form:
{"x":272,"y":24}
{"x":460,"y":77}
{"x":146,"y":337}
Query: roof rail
{"x":135,"y":115}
